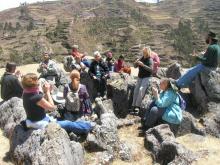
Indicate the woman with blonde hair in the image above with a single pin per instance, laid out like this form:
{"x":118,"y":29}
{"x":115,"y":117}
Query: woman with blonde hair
{"x":36,"y":104}
{"x":145,"y":65}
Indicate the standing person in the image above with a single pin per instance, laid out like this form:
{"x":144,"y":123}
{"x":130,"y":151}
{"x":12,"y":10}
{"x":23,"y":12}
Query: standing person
{"x":48,"y":69}
{"x":209,"y":60}
{"x":10,"y":85}
{"x":78,"y":91}
{"x":166,"y":105}
{"x":110,"y":61}
{"x":156,"y":62}
{"x":145,"y":65}
{"x":99,"y":72}
{"x":36,"y":104}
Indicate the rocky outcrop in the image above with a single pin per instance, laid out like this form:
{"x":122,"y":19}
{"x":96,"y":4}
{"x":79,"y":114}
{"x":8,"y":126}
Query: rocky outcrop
{"x":11,"y":114}
{"x":120,"y":90}
{"x":161,"y":141}
{"x":188,"y":125}
{"x":206,"y":88}
{"x":105,"y":136}
{"x":174,"y":71}
{"x":48,"y":146}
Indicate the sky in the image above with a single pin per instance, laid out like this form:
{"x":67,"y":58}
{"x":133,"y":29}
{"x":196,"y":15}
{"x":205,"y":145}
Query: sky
{"x":6,"y":4}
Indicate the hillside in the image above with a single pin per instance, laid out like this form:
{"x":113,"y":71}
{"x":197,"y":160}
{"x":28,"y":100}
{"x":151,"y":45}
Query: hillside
{"x":172,"y":28}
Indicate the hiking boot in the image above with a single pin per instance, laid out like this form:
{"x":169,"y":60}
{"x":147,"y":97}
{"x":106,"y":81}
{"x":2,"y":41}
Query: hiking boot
{"x":74,"y":137}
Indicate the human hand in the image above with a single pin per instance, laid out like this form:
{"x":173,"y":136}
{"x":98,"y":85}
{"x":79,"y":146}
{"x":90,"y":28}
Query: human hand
{"x":47,"y":87}
{"x":154,"y":91}
{"x":18,"y":73}
{"x":94,"y":77}
{"x":44,"y":66}
{"x":139,"y":63}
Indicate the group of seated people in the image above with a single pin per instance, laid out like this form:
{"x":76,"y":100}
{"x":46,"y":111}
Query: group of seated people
{"x":37,"y":99}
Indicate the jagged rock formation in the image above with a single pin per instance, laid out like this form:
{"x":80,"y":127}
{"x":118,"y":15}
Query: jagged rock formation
{"x":206,"y":93}
{"x":48,"y":146}
{"x":11,"y":114}
{"x":105,"y":137}
{"x":161,"y":141}
{"x":120,"y":90}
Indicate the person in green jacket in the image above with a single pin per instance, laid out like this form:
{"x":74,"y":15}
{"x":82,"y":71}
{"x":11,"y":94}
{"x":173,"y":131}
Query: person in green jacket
{"x":166,"y":105}
{"x":209,"y":60}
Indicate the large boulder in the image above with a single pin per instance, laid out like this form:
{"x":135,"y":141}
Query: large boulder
{"x":162,"y":143}
{"x":11,"y":114}
{"x":120,"y":89}
{"x":105,"y":136}
{"x":174,"y":71}
{"x":206,"y":88}
{"x":48,"y":146}
{"x":212,"y":119}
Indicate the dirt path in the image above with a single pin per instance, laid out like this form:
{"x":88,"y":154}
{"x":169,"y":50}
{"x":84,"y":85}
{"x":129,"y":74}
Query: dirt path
{"x":4,"y":143}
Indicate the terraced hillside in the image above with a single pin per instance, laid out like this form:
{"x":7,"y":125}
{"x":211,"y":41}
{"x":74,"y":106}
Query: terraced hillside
{"x":172,"y":28}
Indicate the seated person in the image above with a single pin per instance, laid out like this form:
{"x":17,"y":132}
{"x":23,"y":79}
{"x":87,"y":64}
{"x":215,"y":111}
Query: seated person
{"x":48,"y":69}
{"x":36,"y":104}
{"x":209,"y":60}
{"x":99,"y":72}
{"x":79,"y":91}
{"x":166,"y":105}
{"x":110,"y":61}
{"x":120,"y":66}
{"x":75,"y":53}
{"x":10,"y":85}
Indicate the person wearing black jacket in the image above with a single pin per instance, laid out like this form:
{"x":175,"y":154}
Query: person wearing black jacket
{"x":145,"y":66}
{"x":99,"y":72}
{"x":10,"y":85}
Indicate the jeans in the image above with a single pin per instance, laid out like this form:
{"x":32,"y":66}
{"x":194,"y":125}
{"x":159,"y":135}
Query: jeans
{"x":140,"y":90}
{"x":77,"y":127}
{"x":100,"y":85}
{"x":187,"y":78}
{"x":153,"y":115}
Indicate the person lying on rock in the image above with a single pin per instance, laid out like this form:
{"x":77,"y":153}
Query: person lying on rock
{"x":10,"y":84}
{"x":76,"y":96}
{"x":99,"y":72}
{"x":36,"y":104}
{"x":209,"y":61}
{"x":145,"y":65}
{"x":48,"y":69}
{"x":166,"y":105}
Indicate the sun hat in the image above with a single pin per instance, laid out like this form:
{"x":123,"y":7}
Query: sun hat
{"x":173,"y":84}
{"x":58,"y":97}
{"x":212,"y":35}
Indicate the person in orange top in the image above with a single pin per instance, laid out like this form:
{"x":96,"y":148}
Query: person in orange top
{"x":121,"y":67}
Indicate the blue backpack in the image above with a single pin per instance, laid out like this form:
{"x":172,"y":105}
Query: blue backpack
{"x":182,"y":102}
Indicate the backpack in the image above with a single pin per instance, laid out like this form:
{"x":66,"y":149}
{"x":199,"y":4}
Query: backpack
{"x":182,"y":102}
{"x":72,"y":103}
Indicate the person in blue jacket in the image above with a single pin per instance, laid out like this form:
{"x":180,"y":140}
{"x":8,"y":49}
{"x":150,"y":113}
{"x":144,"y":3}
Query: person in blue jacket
{"x":166,"y":105}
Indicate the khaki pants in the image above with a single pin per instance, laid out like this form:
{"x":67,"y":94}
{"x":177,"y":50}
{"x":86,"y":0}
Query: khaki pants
{"x":140,"y":90}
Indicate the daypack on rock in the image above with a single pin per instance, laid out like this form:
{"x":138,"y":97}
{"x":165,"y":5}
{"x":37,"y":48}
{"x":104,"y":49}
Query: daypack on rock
{"x":72,"y":103}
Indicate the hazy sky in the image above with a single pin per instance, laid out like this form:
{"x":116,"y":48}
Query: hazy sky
{"x":6,"y":4}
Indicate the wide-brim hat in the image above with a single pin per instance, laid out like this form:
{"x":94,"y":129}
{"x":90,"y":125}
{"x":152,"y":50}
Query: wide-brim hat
{"x":173,"y":84}
{"x":212,"y":35}
{"x":58,"y":98}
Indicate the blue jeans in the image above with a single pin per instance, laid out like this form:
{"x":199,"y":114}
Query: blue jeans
{"x":78,"y":127}
{"x":186,"y":79}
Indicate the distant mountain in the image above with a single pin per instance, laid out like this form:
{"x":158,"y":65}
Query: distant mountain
{"x":172,"y":28}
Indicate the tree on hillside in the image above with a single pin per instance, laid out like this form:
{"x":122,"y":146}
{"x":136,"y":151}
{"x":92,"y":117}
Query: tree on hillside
{"x":18,"y":26}
{"x":24,"y":12}
{"x":30,"y":26}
